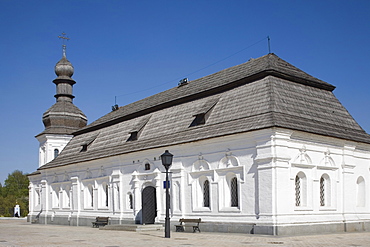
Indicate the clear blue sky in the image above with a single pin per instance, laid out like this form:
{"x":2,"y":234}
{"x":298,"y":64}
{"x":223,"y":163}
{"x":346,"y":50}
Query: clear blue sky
{"x":133,"y":49}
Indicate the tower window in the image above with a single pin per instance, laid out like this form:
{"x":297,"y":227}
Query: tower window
{"x":56,"y":153}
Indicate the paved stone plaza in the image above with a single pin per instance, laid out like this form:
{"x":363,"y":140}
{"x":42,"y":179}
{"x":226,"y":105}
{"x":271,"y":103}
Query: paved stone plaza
{"x":18,"y":232}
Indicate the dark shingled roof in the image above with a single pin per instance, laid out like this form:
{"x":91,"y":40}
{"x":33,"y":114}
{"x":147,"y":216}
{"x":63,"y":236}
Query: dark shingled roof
{"x":63,"y":118}
{"x":262,"y":93}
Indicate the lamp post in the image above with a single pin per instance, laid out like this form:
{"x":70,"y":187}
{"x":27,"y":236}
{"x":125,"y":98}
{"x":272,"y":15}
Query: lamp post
{"x":167,"y":162}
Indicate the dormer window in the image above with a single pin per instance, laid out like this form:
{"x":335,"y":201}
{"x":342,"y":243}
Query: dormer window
{"x":88,"y":143}
{"x":133,"y":136}
{"x":199,"y":120}
{"x":203,"y":113}
{"x":137,"y":129}
{"x":147,"y":167}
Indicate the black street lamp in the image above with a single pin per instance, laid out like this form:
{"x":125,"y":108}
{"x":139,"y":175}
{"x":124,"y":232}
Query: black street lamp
{"x":167,"y":162}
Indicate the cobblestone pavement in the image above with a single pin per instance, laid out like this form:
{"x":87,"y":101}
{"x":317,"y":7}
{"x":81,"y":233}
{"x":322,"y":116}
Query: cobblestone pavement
{"x":18,"y":232}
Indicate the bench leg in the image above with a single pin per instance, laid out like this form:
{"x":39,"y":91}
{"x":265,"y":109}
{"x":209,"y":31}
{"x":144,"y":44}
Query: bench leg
{"x":196,"y":228}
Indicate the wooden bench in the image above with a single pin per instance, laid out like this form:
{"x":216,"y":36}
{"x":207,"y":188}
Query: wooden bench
{"x":188,"y":222}
{"x":100,"y":221}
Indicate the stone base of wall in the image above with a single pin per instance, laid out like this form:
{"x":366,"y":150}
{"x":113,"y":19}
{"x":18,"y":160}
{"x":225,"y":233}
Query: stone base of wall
{"x":317,"y":228}
{"x":288,"y":230}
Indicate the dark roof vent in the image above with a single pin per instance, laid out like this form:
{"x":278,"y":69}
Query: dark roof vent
{"x":115,"y":107}
{"x":183,"y":82}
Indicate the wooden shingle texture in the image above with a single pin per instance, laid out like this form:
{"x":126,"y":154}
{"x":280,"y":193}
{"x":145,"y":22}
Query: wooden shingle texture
{"x":262,"y":93}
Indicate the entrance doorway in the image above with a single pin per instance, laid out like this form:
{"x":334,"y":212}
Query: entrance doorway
{"x":149,"y":205}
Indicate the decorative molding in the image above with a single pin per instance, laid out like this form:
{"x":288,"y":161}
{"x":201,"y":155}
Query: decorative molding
{"x":327,"y":160}
{"x":200,"y":165}
{"x":302,"y":165}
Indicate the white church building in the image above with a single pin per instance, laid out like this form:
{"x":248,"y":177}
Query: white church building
{"x":261,"y":147}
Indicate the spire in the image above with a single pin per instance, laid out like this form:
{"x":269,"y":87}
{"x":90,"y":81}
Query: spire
{"x":63,"y":117}
{"x":64,"y":70}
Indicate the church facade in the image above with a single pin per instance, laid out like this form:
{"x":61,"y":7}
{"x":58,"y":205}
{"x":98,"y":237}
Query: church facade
{"x":260,"y":147}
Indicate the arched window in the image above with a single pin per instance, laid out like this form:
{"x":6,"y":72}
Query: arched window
{"x":206,"y":193}
{"x":55,"y":200}
{"x":361,"y":193}
{"x":147,"y":166}
{"x":322,"y":191}
{"x":66,"y":197}
{"x":325,"y":191}
{"x":103,"y":195}
{"x":234,"y":192}
{"x":106,"y":195}
{"x":300,"y":189}
{"x":56,"y":153}
{"x":37,"y":197}
{"x":118,"y":197}
{"x":89,"y":196}
{"x":130,"y":201}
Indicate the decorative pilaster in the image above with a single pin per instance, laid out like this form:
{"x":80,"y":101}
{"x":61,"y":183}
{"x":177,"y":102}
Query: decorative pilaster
{"x":272,"y":161}
{"x":75,"y":195}
{"x":159,"y":192}
{"x":137,"y":196}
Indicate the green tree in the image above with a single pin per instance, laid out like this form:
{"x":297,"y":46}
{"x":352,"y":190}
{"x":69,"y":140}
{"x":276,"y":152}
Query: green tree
{"x":14,"y":191}
{"x":1,"y":190}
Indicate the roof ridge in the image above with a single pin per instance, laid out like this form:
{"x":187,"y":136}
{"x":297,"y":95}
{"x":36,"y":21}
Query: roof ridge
{"x":220,"y":81}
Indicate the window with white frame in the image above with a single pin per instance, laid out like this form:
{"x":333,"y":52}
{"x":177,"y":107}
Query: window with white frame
{"x":234,"y":192}
{"x":229,"y":192}
{"x":206,"y":194}
{"x":118,"y":202}
{"x":322,"y":191}
{"x":55,"y":197}
{"x":103,"y":195}
{"x":67,"y":197}
{"x":89,"y":196}
{"x":56,"y":153}
{"x":325,"y":191}
{"x":106,"y":195}
{"x":130,"y":201}
{"x":37,"y":197}
{"x":300,"y":184}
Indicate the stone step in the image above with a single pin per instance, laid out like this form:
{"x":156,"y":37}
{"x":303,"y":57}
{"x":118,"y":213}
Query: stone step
{"x":133,"y":227}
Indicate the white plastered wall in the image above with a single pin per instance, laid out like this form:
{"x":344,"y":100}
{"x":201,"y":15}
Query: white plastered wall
{"x":264,"y":162}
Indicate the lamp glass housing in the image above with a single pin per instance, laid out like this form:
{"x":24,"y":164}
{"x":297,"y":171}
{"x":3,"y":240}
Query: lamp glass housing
{"x":166,"y":159}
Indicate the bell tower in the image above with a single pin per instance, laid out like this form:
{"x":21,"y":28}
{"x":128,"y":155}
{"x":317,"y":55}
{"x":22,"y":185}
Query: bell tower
{"x":63,"y":118}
